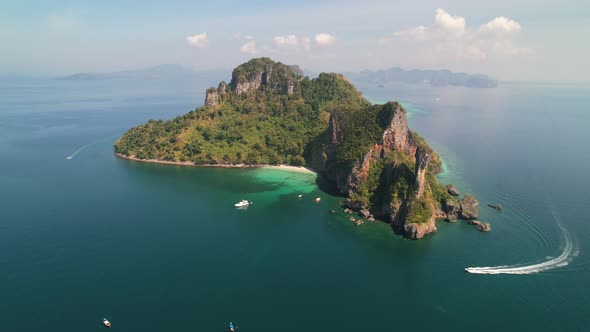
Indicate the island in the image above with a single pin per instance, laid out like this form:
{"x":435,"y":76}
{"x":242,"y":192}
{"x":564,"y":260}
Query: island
{"x":271,"y":114}
{"x":442,"y":77}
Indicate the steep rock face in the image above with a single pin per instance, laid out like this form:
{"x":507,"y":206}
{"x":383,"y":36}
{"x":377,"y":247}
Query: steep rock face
{"x":256,"y":75}
{"x":265,"y":74}
{"x":422,"y":160}
{"x":357,"y":176}
{"x":396,"y":135}
{"x":213,"y":96}
{"x":417,"y":231}
{"x":395,"y":165}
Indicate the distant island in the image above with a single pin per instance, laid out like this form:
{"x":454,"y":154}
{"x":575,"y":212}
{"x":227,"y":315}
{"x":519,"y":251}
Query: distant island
{"x":270,"y":114}
{"x":417,"y":76}
{"x":160,"y":72}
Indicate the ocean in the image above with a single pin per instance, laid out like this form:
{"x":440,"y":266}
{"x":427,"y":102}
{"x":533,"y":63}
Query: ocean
{"x":161,"y":248}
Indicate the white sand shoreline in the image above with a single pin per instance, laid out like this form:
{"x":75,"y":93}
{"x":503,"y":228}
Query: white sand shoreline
{"x":289,"y":168}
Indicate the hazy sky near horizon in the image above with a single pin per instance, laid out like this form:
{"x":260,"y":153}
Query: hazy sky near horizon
{"x":509,"y":39}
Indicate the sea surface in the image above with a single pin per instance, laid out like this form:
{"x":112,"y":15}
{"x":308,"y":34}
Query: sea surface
{"x":161,"y":248}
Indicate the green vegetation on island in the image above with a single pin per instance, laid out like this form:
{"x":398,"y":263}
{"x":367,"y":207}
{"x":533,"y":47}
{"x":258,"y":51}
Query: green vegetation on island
{"x":270,"y":114}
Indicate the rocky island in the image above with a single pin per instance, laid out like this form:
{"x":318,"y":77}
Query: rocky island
{"x":270,"y":114}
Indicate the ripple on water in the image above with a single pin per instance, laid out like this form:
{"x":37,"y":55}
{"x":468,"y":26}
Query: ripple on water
{"x":513,"y":204}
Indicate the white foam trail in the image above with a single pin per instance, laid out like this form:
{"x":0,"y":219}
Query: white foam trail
{"x":559,"y":261}
{"x":78,"y":151}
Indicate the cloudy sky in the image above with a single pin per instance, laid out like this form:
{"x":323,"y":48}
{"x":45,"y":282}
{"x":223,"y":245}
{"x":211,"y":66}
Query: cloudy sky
{"x":514,"y":39}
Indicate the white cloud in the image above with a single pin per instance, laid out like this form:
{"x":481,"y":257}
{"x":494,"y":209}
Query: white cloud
{"x":448,"y":22}
{"x":500,"y":24}
{"x":418,"y":33}
{"x":306,"y":43}
{"x":324,"y":39}
{"x":198,"y":40}
{"x":473,"y":52}
{"x":290,"y":40}
{"x":505,"y":47}
{"x":449,"y":39}
{"x":249,"y":47}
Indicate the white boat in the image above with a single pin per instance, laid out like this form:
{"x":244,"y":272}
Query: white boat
{"x":106,"y":323}
{"x":299,"y":196}
{"x":242,"y":203}
{"x":69,"y":157}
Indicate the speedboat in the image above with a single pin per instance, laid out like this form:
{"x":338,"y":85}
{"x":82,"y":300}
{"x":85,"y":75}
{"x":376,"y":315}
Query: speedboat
{"x":242,"y":203}
{"x":106,"y":323}
{"x":69,"y":157}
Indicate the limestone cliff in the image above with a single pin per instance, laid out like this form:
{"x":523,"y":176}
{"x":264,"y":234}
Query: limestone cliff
{"x":394,"y":178}
{"x":263,"y":73}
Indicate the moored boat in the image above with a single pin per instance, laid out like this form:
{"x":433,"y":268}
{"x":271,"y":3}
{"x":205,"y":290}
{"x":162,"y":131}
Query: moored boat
{"x":242,"y":203}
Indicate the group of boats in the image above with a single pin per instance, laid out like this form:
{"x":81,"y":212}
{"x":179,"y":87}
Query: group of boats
{"x":245,"y":203}
{"x":232,"y":328}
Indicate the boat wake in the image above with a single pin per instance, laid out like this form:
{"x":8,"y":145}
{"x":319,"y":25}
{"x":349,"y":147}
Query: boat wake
{"x":85,"y":146}
{"x":559,"y":261}
{"x":77,"y":151}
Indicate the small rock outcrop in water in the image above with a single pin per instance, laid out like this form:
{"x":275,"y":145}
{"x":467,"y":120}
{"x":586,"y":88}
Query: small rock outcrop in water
{"x":497,"y":207}
{"x":468,"y":208}
{"x":481,"y":226}
{"x":452,"y":190}
{"x":270,"y":114}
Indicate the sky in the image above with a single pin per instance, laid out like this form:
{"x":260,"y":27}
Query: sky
{"x":508,"y":39}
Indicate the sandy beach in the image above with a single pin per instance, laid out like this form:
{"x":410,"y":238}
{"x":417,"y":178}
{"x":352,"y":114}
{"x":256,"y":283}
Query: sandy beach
{"x":289,"y":168}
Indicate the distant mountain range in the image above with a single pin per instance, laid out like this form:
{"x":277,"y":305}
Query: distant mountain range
{"x":160,"y":72}
{"x":379,"y":77}
{"x":416,"y":76}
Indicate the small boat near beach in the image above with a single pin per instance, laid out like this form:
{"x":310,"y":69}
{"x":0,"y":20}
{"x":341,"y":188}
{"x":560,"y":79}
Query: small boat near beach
{"x":242,"y":204}
{"x":106,"y":323}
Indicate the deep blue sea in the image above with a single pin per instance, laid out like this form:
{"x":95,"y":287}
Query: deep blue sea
{"x":161,"y":248}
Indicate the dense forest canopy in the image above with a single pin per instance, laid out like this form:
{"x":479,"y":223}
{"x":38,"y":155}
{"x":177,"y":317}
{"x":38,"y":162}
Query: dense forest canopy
{"x":258,"y":127}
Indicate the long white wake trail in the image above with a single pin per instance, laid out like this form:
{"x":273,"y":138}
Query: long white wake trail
{"x":559,"y":261}
{"x":77,"y":151}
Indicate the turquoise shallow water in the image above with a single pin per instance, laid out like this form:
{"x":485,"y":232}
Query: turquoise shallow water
{"x":161,"y":248}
